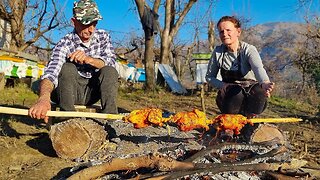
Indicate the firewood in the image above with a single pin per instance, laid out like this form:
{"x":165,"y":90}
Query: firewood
{"x":267,"y":132}
{"x":177,"y":168}
{"x":311,"y":170}
{"x":278,"y":176}
{"x":293,"y":173}
{"x":218,"y":168}
{"x":218,"y":147}
{"x":151,"y":160}
{"x":76,"y":138}
{"x":224,"y":167}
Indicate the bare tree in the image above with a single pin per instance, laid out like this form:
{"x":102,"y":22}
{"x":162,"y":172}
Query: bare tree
{"x":307,"y":54}
{"x":202,"y":20}
{"x":211,"y":35}
{"x":173,"y":21}
{"x":30,"y":21}
{"x":146,"y":16}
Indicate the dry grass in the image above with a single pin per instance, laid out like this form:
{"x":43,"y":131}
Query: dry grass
{"x":19,"y":95}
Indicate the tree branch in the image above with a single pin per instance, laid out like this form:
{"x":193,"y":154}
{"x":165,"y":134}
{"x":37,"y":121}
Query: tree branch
{"x":185,"y":11}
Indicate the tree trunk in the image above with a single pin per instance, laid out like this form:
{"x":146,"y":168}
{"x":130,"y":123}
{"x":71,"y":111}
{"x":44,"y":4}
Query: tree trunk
{"x":149,"y":46}
{"x":149,"y":63}
{"x":18,"y":8}
{"x":211,"y":35}
{"x":171,"y":27}
{"x":32,"y":17}
{"x":165,"y":49}
{"x":165,"y":36}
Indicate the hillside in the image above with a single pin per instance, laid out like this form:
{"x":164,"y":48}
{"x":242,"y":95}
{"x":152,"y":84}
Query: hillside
{"x":278,"y":44}
{"x":274,"y":39}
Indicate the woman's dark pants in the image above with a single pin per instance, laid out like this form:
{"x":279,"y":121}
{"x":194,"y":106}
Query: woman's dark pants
{"x":238,"y":100}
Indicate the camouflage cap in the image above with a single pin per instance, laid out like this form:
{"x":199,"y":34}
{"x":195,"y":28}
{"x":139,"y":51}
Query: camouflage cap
{"x":86,"y":11}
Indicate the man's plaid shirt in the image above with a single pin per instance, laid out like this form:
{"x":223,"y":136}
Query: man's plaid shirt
{"x":100,"y":47}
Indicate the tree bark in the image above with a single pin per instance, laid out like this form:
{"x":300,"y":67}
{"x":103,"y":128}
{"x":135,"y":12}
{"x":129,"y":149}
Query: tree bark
{"x":149,"y":46}
{"x":170,"y":30}
{"x":211,"y":35}
{"x":149,"y":63}
{"x":150,"y":161}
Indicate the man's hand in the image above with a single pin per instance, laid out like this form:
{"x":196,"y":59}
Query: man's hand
{"x":40,"y":109}
{"x":42,"y":106}
{"x":267,"y":87}
{"x":80,"y":57}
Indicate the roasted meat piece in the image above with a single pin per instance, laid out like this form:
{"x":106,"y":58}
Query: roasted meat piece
{"x":234,"y":122}
{"x":138,"y":118}
{"x":188,"y":121}
{"x":155,"y":117}
{"x":145,"y":117}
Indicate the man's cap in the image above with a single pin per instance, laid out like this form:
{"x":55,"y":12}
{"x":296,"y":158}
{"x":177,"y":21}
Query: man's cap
{"x":86,"y":11}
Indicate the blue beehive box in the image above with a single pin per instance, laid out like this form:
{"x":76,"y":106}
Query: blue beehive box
{"x":142,"y":77}
{"x":140,"y":74}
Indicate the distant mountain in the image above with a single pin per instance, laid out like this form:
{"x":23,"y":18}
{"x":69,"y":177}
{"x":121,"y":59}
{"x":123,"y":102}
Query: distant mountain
{"x":277,"y":43}
{"x":275,"y":39}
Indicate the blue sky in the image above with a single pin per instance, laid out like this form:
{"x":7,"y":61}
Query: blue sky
{"x":121,"y":19}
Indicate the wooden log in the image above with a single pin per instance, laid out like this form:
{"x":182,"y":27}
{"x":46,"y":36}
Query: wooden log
{"x":218,"y":168}
{"x":163,"y":163}
{"x":267,"y":132}
{"x":76,"y":138}
{"x":177,"y":169}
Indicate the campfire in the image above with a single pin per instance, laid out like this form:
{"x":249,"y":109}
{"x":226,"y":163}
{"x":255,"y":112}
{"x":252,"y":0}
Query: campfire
{"x":225,"y":146}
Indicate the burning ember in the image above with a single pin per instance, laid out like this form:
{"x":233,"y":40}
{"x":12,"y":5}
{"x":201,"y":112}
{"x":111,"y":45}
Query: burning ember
{"x":181,"y":157}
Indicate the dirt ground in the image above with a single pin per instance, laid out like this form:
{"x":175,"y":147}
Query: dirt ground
{"x":26,"y":151}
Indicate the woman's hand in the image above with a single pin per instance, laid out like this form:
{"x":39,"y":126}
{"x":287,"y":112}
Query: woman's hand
{"x":267,"y":87}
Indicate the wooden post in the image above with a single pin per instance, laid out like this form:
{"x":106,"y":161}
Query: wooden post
{"x":2,"y":81}
{"x":202,"y":98}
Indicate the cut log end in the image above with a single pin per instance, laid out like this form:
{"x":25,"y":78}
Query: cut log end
{"x":76,"y":138}
{"x":268,"y":132}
